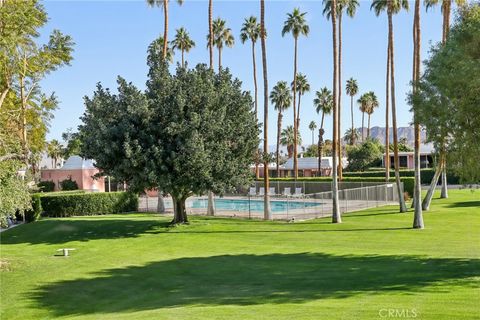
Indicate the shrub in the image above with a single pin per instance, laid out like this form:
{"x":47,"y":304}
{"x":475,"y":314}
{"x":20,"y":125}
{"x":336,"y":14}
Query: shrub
{"x":364,"y":156}
{"x":34,"y":213}
{"x":425,"y":174}
{"x":84,"y":204}
{"x":46,"y":186}
{"x":68,"y":184}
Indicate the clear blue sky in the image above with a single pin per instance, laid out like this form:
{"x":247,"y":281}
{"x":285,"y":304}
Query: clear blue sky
{"x":112,"y":36}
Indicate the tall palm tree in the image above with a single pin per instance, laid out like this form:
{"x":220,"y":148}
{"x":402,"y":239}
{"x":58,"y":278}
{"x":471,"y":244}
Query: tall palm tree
{"x":267,"y":212}
{"x":323,"y":103}
{"x":312,"y":126}
{"x":296,"y":24}
{"x":372,"y":103}
{"x":164,"y":4}
{"x":183,"y":43}
{"x":54,"y":151}
{"x":393,"y":7}
{"x":417,"y":190}
{"x":446,"y":10}
{"x":287,"y":138}
{"x":251,"y":30}
{"x":350,"y":136}
{"x":222,"y":36}
{"x":352,"y":90}
{"x":363,"y":107}
{"x":350,"y":6}
{"x":210,"y":32}
{"x":302,"y":87}
{"x":282,"y":99}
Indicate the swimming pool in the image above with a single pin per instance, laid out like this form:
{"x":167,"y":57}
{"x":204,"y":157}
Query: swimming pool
{"x":252,"y":205}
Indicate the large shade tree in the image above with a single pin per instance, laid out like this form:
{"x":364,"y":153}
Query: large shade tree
{"x":281,"y":99}
{"x":296,"y":24}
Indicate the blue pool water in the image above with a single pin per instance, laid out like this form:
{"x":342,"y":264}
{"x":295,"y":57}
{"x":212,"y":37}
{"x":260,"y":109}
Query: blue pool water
{"x":255,"y":205}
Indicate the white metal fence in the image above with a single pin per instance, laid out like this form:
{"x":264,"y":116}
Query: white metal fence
{"x":285,"y":203}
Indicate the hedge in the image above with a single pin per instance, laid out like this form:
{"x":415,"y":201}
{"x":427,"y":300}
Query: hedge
{"x":66,"y":204}
{"x":425,"y":174}
{"x":34,"y":213}
{"x":408,"y":182}
{"x":46,"y":186}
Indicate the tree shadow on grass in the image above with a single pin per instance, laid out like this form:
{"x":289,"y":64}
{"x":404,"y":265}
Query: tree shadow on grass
{"x":55,"y":231}
{"x":465,"y":204}
{"x":248,"y":280}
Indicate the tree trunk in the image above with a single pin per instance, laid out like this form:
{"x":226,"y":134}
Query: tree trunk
{"x":179,"y":213}
{"x":3,"y":96}
{"x":418,"y":215}
{"x":363,"y":126}
{"x":267,"y":213}
{"x":403,"y":207}
{"x":368,"y":128}
{"x":256,"y":101}
{"x":353,"y":125}
{"x":336,"y":214}
{"x":219,"y":59}
{"x":211,"y":204}
{"x":183,"y":59}
{"x":433,"y":185}
{"x":313,"y":137}
{"x":165,"y":29}
{"x":295,"y":142}
{"x":387,"y":117}
{"x":160,"y":203}
{"x":320,"y":149}
{"x":210,"y":32}
{"x":444,"y":192}
{"x":339,"y":93}
{"x":24,"y":120}
{"x":298,"y":111}
{"x":279,"y":129}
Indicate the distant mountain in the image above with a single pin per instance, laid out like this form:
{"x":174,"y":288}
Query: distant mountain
{"x":403,"y":132}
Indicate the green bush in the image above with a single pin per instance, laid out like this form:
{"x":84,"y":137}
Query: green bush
{"x":84,"y":204}
{"x":46,"y":186}
{"x":33,"y":214}
{"x":425,"y":174}
{"x":68,"y":184}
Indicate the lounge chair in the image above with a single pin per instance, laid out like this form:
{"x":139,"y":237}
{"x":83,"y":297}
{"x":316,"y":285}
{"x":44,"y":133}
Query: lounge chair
{"x":287,"y":191}
{"x":252,"y":191}
{"x":271,"y":191}
{"x":261,"y":192}
{"x":298,"y":192}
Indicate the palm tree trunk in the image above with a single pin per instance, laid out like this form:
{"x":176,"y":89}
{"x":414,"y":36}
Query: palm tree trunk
{"x":403,"y":207}
{"x":387,"y":117}
{"x":183,"y":59}
{"x":298,"y":111}
{"x":165,"y":29}
{"x":320,"y":145}
{"x":339,"y":134}
{"x":433,"y":185}
{"x":219,"y":59}
{"x":24,"y":119}
{"x":446,"y":29}
{"x":267,"y":213}
{"x":279,"y":129}
{"x":418,"y":215}
{"x":210,"y":32}
{"x":295,"y":163}
{"x":336,"y":214}
{"x":363,"y":126}
{"x":353,"y":125}
{"x":256,"y":100}
{"x":368,"y":128}
{"x":313,"y":138}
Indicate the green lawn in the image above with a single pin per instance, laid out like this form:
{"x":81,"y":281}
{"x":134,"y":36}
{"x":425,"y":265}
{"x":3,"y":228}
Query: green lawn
{"x":135,"y":267}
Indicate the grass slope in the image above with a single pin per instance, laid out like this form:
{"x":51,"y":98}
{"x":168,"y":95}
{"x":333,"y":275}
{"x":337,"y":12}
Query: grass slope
{"x":135,"y":267}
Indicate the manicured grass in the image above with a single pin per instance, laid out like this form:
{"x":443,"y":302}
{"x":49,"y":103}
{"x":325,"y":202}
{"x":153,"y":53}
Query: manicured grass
{"x":135,"y":267}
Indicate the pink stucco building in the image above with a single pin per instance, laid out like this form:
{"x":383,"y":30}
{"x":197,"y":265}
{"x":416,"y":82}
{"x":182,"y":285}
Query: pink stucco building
{"x":79,"y":170}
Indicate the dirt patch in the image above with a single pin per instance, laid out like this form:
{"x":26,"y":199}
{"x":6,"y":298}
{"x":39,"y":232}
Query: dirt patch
{"x":5,"y":265}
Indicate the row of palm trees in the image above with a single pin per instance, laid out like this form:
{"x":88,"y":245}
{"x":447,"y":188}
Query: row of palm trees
{"x":296,"y":25}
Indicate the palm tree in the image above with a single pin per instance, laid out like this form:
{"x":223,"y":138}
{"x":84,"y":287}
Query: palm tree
{"x":417,"y":191}
{"x":54,"y":151}
{"x":155,"y":49}
{"x":164,"y":3}
{"x":372,"y":103}
{"x":363,"y":106}
{"x":302,"y":87}
{"x":350,"y":6}
{"x":267,"y":212}
{"x":287,"y":138}
{"x":323,"y":103}
{"x":392,"y":7}
{"x":350,"y":136}
{"x":295,"y":24}
{"x":282,"y":99}
{"x":222,"y":36}
{"x":251,"y":30}
{"x":446,"y":10}
{"x":352,"y":90}
{"x":312,"y":126}
{"x":183,"y":43}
